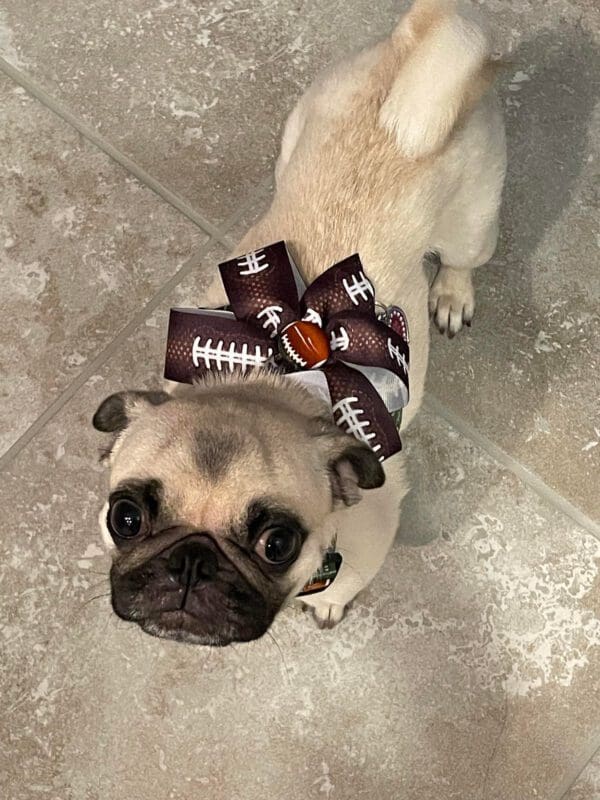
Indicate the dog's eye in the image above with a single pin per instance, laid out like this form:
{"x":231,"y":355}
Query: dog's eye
{"x":279,"y":545}
{"x":126,"y":519}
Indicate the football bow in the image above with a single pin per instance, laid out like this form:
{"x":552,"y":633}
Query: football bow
{"x":332,"y":327}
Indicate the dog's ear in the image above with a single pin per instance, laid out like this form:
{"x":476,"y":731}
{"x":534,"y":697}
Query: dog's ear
{"x":115,"y":413}
{"x":356,"y":468}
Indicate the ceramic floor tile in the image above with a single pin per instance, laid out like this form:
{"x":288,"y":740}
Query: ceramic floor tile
{"x":194,"y":93}
{"x":526,"y":375}
{"x":197,"y":93}
{"x":587,"y":786}
{"x":254,"y":207}
{"x":467,"y":670}
{"x":82,"y":248}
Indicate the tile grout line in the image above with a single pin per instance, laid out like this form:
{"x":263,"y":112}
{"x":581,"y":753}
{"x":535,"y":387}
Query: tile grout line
{"x":566,"y":786}
{"x":100,"y":359}
{"x":523,"y":473}
{"x":45,"y":99}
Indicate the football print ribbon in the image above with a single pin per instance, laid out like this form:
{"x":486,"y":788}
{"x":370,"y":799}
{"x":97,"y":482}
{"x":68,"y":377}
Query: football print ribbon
{"x":331,"y":327}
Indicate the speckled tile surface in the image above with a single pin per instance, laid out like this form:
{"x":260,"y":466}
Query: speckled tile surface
{"x":194,"y":92}
{"x":587,"y":786}
{"x":526,"y":374}
{"x":197,"y":92}
{"x":467,"y":670}
{"x":82,"y":248}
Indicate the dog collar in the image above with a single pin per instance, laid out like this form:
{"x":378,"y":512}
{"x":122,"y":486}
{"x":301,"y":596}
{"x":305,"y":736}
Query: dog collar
{"x":329,"y":336}
{"x":325,"y":575}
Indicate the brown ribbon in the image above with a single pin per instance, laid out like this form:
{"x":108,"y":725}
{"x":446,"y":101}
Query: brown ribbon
{"x":332,"y":326}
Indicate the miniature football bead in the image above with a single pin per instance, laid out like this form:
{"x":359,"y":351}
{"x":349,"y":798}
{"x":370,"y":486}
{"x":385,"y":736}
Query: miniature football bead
{"x":303,"y":345}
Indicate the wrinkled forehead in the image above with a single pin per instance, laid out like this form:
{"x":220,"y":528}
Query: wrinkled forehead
{"x":179,"y":439}
{"x":212,"y":466}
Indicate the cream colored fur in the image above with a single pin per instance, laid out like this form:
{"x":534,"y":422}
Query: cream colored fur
{"x":444,"y":53}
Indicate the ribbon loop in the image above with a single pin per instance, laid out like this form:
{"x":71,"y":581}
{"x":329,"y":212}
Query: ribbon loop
{"x":200,"y":342}
{"x":343,"y":287}
{"x":360,"y":411}
{"x":261,"y":288}
{"x":363,"y":340}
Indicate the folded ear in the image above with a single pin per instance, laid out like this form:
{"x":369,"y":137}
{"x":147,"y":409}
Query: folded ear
{"x":356,"y":468}
{"x":116,"y":412}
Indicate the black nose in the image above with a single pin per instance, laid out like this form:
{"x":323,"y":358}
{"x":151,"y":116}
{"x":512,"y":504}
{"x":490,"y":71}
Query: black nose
{"x":191,"y":563}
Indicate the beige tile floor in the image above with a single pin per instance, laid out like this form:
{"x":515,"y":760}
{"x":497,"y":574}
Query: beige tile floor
{"x":136,"y":142}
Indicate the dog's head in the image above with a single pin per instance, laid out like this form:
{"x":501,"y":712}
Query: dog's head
{"x":219,"y":503}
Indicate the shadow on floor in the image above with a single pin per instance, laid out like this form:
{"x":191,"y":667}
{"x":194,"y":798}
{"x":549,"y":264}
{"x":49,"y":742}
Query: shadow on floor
{"x":547,"y":123}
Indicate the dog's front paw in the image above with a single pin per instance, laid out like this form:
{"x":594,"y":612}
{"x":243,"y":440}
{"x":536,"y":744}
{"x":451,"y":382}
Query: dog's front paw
{"x":452,"y":300}
{"x":327,"y":615}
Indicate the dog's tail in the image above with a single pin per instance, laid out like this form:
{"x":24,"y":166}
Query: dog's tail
{"x":446,"y":66}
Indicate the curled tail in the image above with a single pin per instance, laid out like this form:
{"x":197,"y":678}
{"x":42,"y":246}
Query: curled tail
{"x":445,"y":67}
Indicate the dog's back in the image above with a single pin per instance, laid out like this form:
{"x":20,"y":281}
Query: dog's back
{"x":371,"y":129}
{"x":391,"y":154}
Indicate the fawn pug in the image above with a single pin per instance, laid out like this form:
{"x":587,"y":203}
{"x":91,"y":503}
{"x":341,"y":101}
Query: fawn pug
{"x":224,"y":495}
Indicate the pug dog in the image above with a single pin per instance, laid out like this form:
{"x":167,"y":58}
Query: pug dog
{"x":225,"y":495}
